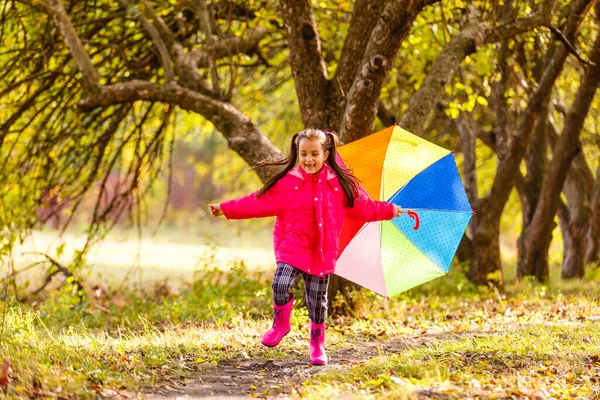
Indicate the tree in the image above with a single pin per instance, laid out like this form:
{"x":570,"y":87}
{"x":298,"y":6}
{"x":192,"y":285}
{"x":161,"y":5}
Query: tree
{"x":92,"y":88}
{"x":535,"y":240}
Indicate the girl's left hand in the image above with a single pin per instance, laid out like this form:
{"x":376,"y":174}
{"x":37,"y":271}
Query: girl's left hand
{"x":397,"y":211}
{"x":215,"y":210}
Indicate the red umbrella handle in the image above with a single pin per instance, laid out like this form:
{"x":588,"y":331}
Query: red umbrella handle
{"x":414,"y":216}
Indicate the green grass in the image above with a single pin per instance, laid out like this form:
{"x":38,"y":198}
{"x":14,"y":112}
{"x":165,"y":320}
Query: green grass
{"x":446,"y":338}
{"x":556,"y":361}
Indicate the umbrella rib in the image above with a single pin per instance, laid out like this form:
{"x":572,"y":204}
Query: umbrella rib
{"x":422,"y":252}
{"x":437,"y":209}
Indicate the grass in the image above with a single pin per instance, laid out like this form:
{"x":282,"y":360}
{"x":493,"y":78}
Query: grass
{"x":544,"y":361}
{"x":447,"y":338}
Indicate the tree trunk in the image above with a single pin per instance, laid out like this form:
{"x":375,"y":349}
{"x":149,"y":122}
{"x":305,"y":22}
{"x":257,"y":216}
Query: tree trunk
{"x":348,"y":103}
{"x":511,"y":149}
{"x":361,"y":98}
{"x":308,"y":66}
{"x":573,"y":265}
{"x":563,"y":222}
{"x":466,"y":130}
{"x":486,"y":237}
{"x":533,"y":258}
{"x":576,"y":217}
{"x":464,"y":253}
{"x":486,"y":245}
{"x":592,"y":253}
{"x":536,"y":165}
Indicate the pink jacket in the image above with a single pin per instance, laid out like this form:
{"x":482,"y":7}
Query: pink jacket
{"x":310,"y":212}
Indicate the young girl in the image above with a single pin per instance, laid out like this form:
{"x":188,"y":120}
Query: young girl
{"x":310,"y":202}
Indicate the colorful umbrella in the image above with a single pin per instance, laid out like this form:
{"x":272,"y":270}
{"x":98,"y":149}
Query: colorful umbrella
{"x":390,"y":257}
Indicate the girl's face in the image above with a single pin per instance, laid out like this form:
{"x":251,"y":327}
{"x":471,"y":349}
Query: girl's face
{"x":311,"y":155}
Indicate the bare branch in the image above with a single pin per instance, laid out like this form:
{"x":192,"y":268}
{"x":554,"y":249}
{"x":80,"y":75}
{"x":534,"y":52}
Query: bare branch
{"x":205,"y":24}
{"x":91,"y":80}
{"x":154,"y":34}
{"x":568,"y":44}
{"x":510,"y":29}
{"x":58,"y":268}
{"x":14,"y":272}
{"x":31,"y":101}
{"x":188,"y":73}
{"x":226,"y":47}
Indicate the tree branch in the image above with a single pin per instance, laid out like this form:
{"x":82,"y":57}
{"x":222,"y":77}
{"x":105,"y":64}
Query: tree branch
{"x":59,"y":269}
{"x":39,"y":6}
{"x":393,"y":26}
{"x":245,"y":44}
{"x":205,"y":25}
{"x":308,"y":66}
{"x":241,"y":134}
{"x":446,"y":64}
{"x":567,"y":44}
{"x":154,"y":34}
{"x":186,"y":68}
{"x":364,"y":19}
{"x":90,"y":77}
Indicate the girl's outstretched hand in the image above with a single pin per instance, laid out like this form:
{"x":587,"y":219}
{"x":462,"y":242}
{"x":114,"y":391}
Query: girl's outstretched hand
{"x":397,"y":211}
{"x":215,"y":209}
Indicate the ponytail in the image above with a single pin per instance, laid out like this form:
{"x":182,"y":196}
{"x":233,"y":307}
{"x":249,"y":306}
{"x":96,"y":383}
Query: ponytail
{"x":289,"y":162}
{"x":349,"y":182}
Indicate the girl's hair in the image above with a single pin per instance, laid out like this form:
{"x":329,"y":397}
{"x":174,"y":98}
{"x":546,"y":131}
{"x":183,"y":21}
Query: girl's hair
{"x":329,"y":142}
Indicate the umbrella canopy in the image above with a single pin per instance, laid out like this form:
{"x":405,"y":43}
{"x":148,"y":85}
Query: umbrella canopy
{"x":390,"y":257}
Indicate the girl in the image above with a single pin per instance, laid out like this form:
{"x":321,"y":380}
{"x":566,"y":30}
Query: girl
{"x":310,"y":202}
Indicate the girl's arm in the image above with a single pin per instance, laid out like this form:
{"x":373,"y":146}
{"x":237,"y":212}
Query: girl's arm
{"x":270,"y":204}
{"x":368,"y":210}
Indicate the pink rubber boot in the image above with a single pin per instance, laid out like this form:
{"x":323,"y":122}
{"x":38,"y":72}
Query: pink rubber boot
{"x":317,"y":344}
{"x":281,"y":324}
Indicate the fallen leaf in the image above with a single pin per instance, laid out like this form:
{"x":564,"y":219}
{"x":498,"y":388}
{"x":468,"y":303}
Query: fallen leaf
{"x":519,"y":392}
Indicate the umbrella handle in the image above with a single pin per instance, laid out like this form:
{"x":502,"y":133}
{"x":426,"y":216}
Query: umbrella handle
{"x":415,"y":216}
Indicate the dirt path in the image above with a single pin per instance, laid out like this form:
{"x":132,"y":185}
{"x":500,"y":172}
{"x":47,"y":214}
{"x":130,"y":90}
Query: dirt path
{"x":272,"y":379}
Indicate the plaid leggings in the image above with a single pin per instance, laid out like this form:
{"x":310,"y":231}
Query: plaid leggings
{"x":315,"y":290}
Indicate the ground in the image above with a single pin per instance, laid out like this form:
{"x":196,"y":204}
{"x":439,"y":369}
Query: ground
{"x":274,"y":379}
{"x":447,"y":339}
